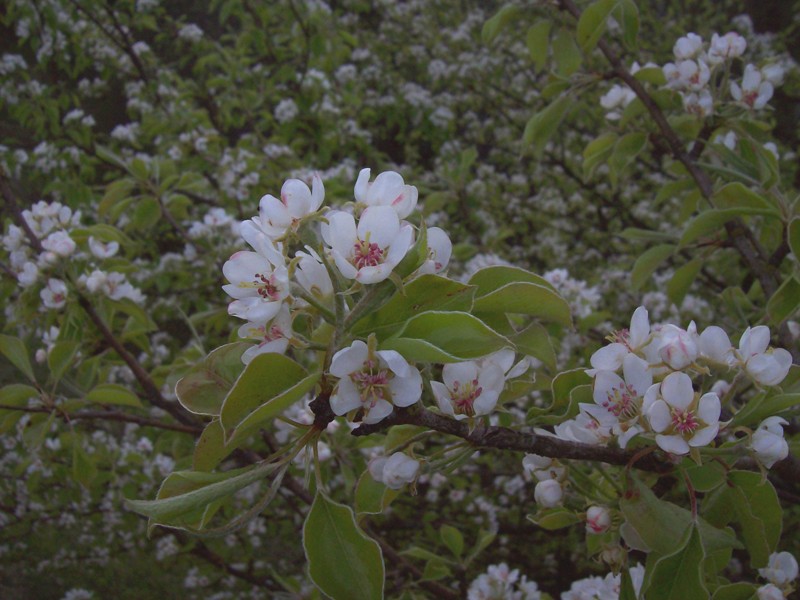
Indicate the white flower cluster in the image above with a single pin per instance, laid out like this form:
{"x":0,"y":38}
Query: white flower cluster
{"x":696,"y":64}
{"x":781,"y":572}
{"x":502,"y":583}
{"x":603,"y":588}
{"x":655,"y":394}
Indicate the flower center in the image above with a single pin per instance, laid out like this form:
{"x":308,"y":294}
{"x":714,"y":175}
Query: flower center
{"x":463,"y":397}
{"x":366,"y":254}
{"x":372,"y":385}
{"x":266,"y":286}
{"x":750,"y":98}
{"x":623,"y":336}
{"x":684,"y":421}
{"x":621,"y":401}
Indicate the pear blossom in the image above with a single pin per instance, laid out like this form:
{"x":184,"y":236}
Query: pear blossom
{"x":688,"y":75}
{"x":781,"y":569}
{"x":755,"y":91}
{"x":102,"y":249}
{"x":394,"y":471}
{"x":543,"y":467}
{"x":765,"y":366}
{"x":60,"y":243}
{"x":700,"y":103}
{"x":374,"y":381}
{"x":548,"y":493}
{"x":312,"y":275}
{"x":767,"y":442}
{"x":273,"y":336}
{"x":626,"y":341}
{"x":113,"y":285}
{"x":769,"y":592}
{"x":258,"y":286}
{"x":584,"y":428}
{"x":388,"y":189}
{"x":617,"y":97}
{"x":296,"y":201}
{"x":716,"y":346}
{"x":619,"y":401}
{"x":28,"y":275}
{"x":723,"y":47}
{"x":680,"y":420}
{"x":675,"y":347}
{"x":54,"y":294}
{"x":370,"y":251}
{"x":469,"y":390}
{"x":773,"y":73}
{"x":439,"y":250}
{"x":598,"y":519}
{"x":688,"y":46}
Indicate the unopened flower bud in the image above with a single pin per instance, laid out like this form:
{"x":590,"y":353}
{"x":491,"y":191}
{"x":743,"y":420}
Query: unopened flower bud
{"x":769,"y":592}
{"x":395,"y":471}
{"x":768,"y":444}
{"x":548,"y":494}
{"x":598,"y":519}
{"x":781,"y":569}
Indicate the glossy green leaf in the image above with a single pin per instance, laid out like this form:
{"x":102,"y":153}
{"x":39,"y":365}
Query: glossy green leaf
{"x":785,"y":301}
{"x":445,"y":337}
{"x":679,"y":576}
{"x":112,"y":393}
{"x":15,"y":351}
{"x":489,"y":279}
{"x":566,"y":53}
{"x":146,"y":214}
{"x":626,"y":589}
{"x":184,"y":492}
{"x":706,"y":477}
{"x":372,"y":497}
{"x":538,"y":42}
{"x":552,"y":519}
{"x":267,"y":386}
{"x":736,"y":195}
{"x":210,"y":448}
{"x":507,"y":15}
{"x":711,"y":222}
{"x":17,"y":394}
{"x":61,"y":357}
{"x":543,"y":125}
{"x":735,"y":591}
{"x":592,"y":23}
{"x":453,"y":539}
{"x":535,"y":341}
{"x":759,"y":408}
{"x":343,"y":562}
{"x":427,"y":292}
{"x":626,"y":149}
{"x":203,"y":389}
{"x":647,"y":263}
{"x":626,"y":13}
{"x":597,"y":152}
{"x":528,"y":299}
{"x":682,"y":280}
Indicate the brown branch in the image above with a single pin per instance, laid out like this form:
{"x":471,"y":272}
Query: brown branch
{"x":503,"y":438}
{"x":106,"y":415}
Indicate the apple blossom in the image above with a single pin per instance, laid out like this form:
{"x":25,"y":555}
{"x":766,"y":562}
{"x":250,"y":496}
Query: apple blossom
{"x":598,"y":519}
{"x":680,"y":420}
{"x":755,"y":92}
{"x":548,"y":493}
{"x":374,"y":381}
{"x":585,"y":427}
{"x":388,"y":189}
{"x":296,"y":201}
{"x":767,"y":442}
{"x":394,"y":471}
{"x":370,"y":251}
{"x":469,"y":390}
{"x":781,"y":569}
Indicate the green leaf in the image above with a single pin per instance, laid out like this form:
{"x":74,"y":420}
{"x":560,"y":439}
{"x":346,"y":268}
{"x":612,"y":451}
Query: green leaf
{"x":626,"y":589}
{"x":445,"y":337}
{"x":146,"y":213}
{"x":597,"y":152}
{"x":592,"y":23}
{"x":112,"y":393}
{"x":17,"y":394}
{"x":567,"y":389}
{"x":84,"y":470}
{"x":682,"y":280}
{"x":566,"y":53}
{"x":712,"y":221}
{"x":184,"y":492}
{"x":15,"y":351}
{"x":501,"y":19}
{"x":343,"y":562}
{"x":542,"y":125}
{"x":626,"y":14}
{"x":427,"y":292}
{"x":528,"y":299}
{"x":489,"y":279}
{"x":372,"y":497}
{"x":267,"y":386}
{"x":794,"y":236}
{"x":679,"y":576}
{"x":204,"y":387}
{"x":625,"y":152}
{"x":416,"y":255}
{"x":759,"y":408}
{"x":210,"y":449}
{"x":538,"y":42}
{"x":735,"y":591}
{"x":648,"y":262}
{"x":452,"y":538}
{"x":61,"y":357}
{"x":435,"y":569}
{"x":706,"y":477}
{"x":552,"y":519}
{"x":736,"y":195}
{"x":652,"y":75}
{"x":785,"y":301}
{"x":535,"y":341}
{"x":115,"y":192}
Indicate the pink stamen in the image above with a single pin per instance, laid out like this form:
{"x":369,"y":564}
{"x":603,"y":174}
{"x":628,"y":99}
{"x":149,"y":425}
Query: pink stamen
{"x":266,"y":287}
{"x":621,"y":401}
{"x":372,"y":386}
{"x":367,"y":254}
{"x":463,"y":400}
{"x":684,"y":421}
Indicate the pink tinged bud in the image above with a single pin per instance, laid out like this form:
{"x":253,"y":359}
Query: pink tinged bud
{"x":598,"y":519}
{"x":548,"y":493}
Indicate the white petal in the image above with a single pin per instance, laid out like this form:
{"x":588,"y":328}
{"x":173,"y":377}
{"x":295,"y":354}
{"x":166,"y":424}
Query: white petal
{"x":341,"y":232}
{"x":442,"y":396}
{"x":677,"y":390}
{"x":637,"y":373}
{"x":604,"y":383}
{"x":754,"y":341}
{"x":674,"y":444}
{"x":395,"y":361}
{"x":380,"y":224}
{"x":609,"y":358}
{"x":346,"y":268}
{"x":349,"y":360}
{"x":406,"y":390}
{"x":362,"y":186}
{"x":380,"y":411}
{"x":709,"y":408}
{"x":640,"y":327}
{"x":485,"y":403}
{"x":715,"y":344}
{"x":345,"y":398}
{"x":659,"y":416}
{"x":704,"y":436}
{"x":459,"y":373}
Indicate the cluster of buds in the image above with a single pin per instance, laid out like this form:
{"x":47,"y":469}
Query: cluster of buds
{"x":644,"y":385}
{"x":550,"y":475}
